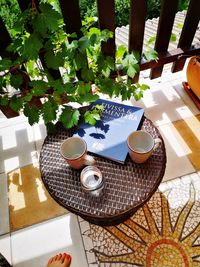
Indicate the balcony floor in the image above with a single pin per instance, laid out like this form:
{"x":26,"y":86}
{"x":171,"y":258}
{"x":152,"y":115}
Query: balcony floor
{"x":30,"y":238}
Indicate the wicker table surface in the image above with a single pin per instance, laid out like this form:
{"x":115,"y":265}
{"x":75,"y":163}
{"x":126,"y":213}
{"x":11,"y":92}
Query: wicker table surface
{"x":127,"y":187}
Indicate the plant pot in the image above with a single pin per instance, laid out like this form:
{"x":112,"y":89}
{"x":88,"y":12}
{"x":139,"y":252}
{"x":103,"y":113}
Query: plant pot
{"x":193,"y":75}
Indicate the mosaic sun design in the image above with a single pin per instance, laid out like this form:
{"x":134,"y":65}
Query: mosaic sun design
{"x":161,"y":234}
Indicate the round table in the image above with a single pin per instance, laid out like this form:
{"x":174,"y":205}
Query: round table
{"x":127,"y":187}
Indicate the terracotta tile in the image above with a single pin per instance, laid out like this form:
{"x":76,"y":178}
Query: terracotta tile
{"x":177,"y":150}
{"x":29,"y":202}
{"x":185,"y":97}
{"x":189,"y":130}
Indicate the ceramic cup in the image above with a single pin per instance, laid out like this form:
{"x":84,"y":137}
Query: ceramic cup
{"x":74,"y":151}
{"x":141,"y":145}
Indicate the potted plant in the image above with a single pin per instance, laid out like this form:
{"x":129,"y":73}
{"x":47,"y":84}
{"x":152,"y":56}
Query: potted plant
{"x":82,"y":70}
{"x":193,"y":74}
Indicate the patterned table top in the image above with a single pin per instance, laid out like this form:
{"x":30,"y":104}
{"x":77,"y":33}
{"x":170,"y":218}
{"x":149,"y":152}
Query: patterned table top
{"x":127,"y":187}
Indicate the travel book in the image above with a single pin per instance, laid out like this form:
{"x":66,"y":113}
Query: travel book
{"x":108,"y":136}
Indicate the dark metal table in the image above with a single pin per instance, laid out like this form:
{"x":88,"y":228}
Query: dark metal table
{"x":127,"y":187}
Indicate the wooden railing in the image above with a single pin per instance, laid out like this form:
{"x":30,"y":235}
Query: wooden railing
{"x":138,"y":9}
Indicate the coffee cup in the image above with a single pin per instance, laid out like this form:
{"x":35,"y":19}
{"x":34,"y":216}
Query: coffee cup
{"x":74,"y":151}
{"x":141,"y":145}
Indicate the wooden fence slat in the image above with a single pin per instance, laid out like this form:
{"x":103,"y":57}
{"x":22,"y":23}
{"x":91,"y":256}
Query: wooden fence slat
{"x":24,"y":4}
{"x":71,"y":14}
{"x":188,"y":31}
{"x":137,"y":19}
{"x":165,"y":25}
{"x":106,"y":14}
{"x":172,"y":56}
{"x":5,"y":39}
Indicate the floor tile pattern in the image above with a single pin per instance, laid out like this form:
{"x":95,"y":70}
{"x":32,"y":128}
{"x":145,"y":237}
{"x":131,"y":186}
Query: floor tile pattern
{"x":189,"y":130}
{"x":165,"y":232}
{"x":29,"y":202}
{"x":171,"y":109}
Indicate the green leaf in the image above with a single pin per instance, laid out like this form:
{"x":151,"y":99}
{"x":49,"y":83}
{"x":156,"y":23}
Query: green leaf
{"x":49,"y":111}
{"x":99,"y":107}
{"x":106,"y":71}
{"x":54,"y":61}
{"x":69,"y":117}
{"x":69,"y":88}
{"x":30,"y":65}
{"x":121,"y":50}
{"x":73,"y":45}
{"x":27,"y":98}
{"x":93,"y":39}
{"x":91,"y":117}
{"x":88,"y":98}
{"x":16,"y":81}
{"x":40,"y":24}
{"x":130,"y":59}
{"x":144,"y":87}
{"x":87,"y":74}
{"x":72,"y":35}
{"x":32,"y":113}
{"x":16,"y":103}
{"x":89,"y":20}
{"x":32,"y":46}
{"x":151,"y":55}
{"x":106,"y":86}
{"x":151,"y":40}
{"x":15,"y":46}
{"x":124,"y":94}
{"x":78,"y":61}
{"x":136,"y":55}
{"x":180,"y":25}
{"x":131,"y":71}
{"x":5,"y":64}
{"x":138,"y":95}
{"x":105,"y":35}
{"x":83,"y":88}
{"x":173,"y":37}
{"x":110,"y":63}
{"x":83,"y":43}
{"x":58,"y":86}
{"x":3,"y":101}
{"x":39,"y":87}
{"x":94,"y":32}
{"x":50,"y":17}
{"x":51,"y":129}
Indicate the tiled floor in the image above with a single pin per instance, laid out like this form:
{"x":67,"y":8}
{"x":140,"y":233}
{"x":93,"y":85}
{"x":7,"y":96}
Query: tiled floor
{"x":165,"y":232}
{"x":166,"y":104}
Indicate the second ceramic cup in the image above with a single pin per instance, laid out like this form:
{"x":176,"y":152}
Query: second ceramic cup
{"x":74,"y":151}
{"x":141,"y":145}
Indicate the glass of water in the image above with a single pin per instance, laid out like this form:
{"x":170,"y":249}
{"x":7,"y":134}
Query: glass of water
{"x":92,"y":181}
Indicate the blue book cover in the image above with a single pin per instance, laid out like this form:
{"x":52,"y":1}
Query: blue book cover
{"x":108,"y":136}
